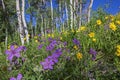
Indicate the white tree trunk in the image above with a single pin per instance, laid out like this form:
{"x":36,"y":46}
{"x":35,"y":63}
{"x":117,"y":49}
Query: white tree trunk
{"x":52,"y":14}
{"x":71,"y":14}
{"x":24,"y":21}
{"x":89,"y":10}
{"x":19,"y":22}
{"x":3,"y":5}
{"x":66,"y":10}
{"x":80,"y":22}
{"x":42,"y":32}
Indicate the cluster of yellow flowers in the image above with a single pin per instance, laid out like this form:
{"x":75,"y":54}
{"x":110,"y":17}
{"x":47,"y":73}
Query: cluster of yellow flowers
{"x":79,"y":56}
{"x":92,"y":35}
{"x":113,"y":26}
{"x":50,"y":35}
{"x":112,"y":17}
{"x":99,"y":22}
{"x":75,"y":47}
{"x":118,"y":22}
{"x":82,"y":28}
{"x":118,"y":50}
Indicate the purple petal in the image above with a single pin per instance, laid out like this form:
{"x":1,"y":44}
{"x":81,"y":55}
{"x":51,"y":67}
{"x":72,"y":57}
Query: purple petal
{"x":10,"y":57}
{"x":17,"y":55}
{"x":12,"y":78}
{"x":12,"y":47}
{"x":40,"y":46}
{"x":7,"y":52}
{"x":19,"y":77}
{"x":50,"y":67}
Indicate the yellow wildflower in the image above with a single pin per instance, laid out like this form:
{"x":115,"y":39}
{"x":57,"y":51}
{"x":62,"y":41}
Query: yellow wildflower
{"x":118,"y":22}
{"x":94,"y":39}
{"x":113,"y":26}
{"x":60,"y":38}
{"x":36,"y":41}
{"x":111,"y":17}
{"x":28,"y":35}
{"x":117,"y":53}
{"x":35,"y":37}
{"x":82,"y":28}
{"x":106,"y":17}
{"x":49,"y":35}
{"x":9,"y":47}
{"x":118,"y":46}
{"x":24,"y":39}
{"x":91,"y":34}
{"x":75,"y":47}
{"x":52,"y":35}
{"x":118,"y":50}
{"x":79,"y":55}
{"x":98,"y":22}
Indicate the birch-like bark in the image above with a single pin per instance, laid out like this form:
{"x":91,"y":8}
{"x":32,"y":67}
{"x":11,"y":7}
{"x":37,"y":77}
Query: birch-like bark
{"x":19,"y":21}
{"x":42,"y":24}
{"x":3,"y":5}
{"x":52,"y":14}
{"x":66,"y":10}
{"x":74,"y":14}
{"x":89,"y":10}
{"x":24,"y":21}
{"x":71,"y":14}
{"x":80,"y":21}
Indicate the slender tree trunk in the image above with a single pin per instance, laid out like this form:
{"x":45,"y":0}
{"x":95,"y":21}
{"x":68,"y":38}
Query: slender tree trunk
{"x":42,"y":32}
{"x":66,"y":10}
{"x":71,"y":14}
{"x":24,"y":21}
{"x":52,"y":15}
{"x":19,"y":22}
{"x":80,"y":21}
{"x":89,"y":10}
{"x":74,"y":14}
{"x":3,"y":5}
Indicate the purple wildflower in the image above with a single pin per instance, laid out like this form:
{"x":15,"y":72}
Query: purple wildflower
{"x":58,"y":52}
{"x":93,"y":52}
{"x":54,"y":58}
{"x":13,"y":52}
{"x":23,"y":48}
{"x":47,"y":64}
{"x":50,"y":39}
{"x":51,"y":46}
{"x":75,"y":41}
{"x":40,"y":46}
{"x":39,"y":35}
{"x":19,"y":77}
{"x":65,"y":43}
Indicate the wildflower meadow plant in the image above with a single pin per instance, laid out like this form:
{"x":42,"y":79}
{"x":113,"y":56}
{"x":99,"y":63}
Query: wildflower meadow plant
{"x":93,"y":53}
{"x":51,"y":60}
{"x":14,"y":52}
{"x":19,"y":77}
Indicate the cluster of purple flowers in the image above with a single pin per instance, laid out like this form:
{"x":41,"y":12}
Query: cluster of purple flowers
{"x":51,"y":60}
{"x":93,"y":53}
{"x":14,"y":52}
{"x":52,"y":45}
{"x":40,"y":46}
{"x":76,"y":42}
{"x":19,"y":77}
